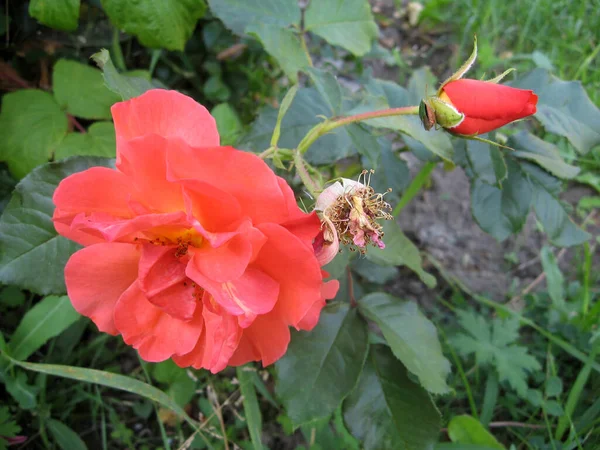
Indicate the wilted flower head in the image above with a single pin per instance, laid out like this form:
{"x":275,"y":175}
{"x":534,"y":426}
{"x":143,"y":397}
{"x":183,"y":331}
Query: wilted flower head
{"x":350,"y":211}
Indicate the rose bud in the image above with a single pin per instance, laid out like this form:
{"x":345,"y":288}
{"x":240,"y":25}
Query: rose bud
{"x":468,"y":107}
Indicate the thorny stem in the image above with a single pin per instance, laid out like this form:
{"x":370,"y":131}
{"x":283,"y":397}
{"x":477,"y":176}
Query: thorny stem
{"x":353,"y":303}
{"x":329,"y":125}
{"x":309,"y":183}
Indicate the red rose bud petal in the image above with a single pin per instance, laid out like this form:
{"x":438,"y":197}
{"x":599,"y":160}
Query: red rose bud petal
{"x":487,"y":106}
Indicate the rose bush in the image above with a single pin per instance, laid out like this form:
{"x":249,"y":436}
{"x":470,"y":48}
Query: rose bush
{"x":193,"y":251}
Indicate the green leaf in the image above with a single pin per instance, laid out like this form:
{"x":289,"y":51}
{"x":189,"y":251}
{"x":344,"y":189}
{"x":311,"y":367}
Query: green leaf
{"x":372,"y":272}
{"x":157,"y":24}
{"x":467,"y":430}
{"x":494,"y":345}
{"x":367,"y":144}
{"x":23,"y":393}
{"x":251,"y":406}
{"x":59,"y":14}
{"x":80,"y":90}
{"x":554,"y":386}
{"x":487,"y":162}
{"x":328,"y":87}
{"x":108,"y":379}
{"x":64,"y":436}
{"x":45,"y":320}
{"x":564,"y":108}
{"x":385,"y":94}
{"x":32,"y":125}
{"x":347,"y":23}
{"x":8,"y":427}
{"x":228,"y":123}
{"x":98,"y":141}
{"x":33,"y":254}
{"x":502,"y":212}
{"x":322,"y":364}
{"x":125,"y":86}
{"x":286,"y":102}
{"x":551,"y":213}
{"x":400,"y":251}
{"x":389,"y":411}
{"x":12,"y":296}
{"x":284,"y":45}
{"x":554,"y":277}
{"x":302,"y":115}
{"x":238,"y":14}
{"x":412,"y":338}
{"x":392,"y":172}
{"x":553,"y":408}
{"x":543,"y":153}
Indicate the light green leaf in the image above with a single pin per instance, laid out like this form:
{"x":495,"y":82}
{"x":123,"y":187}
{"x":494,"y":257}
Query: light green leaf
{"x":108,"y":379}
{"x":59,"y":14}
{"x":158,"y":23}
{"x":412,"y":338}
{"x":347,"y":23}
{"x":288,"y":98}
{"x":125,"y":86}
{"x":284,"y":45}
{"x":24,"y":393}
{"x":367,"y":144}
{"x":502,"y":212}
{"x":303,"y":114}
{"x":467,"y":430}
{"x":98,"y":141}
{"x":64,"y":436}
{"x":372,"y":272}
{"x":238,"y":14}
{"x":251,"y":406}
{"x":322,"y":364}
{"x":45,"y":320}
{"x":389,"y":411}
{"x":564,"y":108}
{"x":80,"y":90}
{"x":487,"y":162}
{"x":31,"y":126}
{"x":554,"y":277}
{"x":400,"y":251}
{"x":554,"y":386}
{"x":228,"y":123}
{"x":33,"y":254}
{"x":543,"y":153}
{"x":328,"y":87}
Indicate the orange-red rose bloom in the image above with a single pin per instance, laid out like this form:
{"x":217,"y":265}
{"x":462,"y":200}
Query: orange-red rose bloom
{"x":486,"y":105}
{"x":193,"y":251}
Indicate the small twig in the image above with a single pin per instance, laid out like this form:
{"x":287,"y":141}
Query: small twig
{"x":353,"y":303}
{"x":76,"y":123}
{"x":233,"y":51}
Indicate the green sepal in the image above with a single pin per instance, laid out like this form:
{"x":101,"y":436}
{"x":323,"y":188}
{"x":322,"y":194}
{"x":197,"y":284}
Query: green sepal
{"x":462,"y":69}
{"x":446,"y":115}
{"x":499,"y":78}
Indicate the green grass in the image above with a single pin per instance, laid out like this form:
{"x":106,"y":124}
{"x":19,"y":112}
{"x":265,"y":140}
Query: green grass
{"x":511,"y":32}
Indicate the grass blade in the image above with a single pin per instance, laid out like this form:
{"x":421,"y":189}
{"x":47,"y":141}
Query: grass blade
{"x":251,"y":408}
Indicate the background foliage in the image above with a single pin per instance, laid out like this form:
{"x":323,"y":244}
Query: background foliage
{"x":467,"y":370}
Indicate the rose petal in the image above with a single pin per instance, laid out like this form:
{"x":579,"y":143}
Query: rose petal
{"x":97,"y":276}
{"x":156,"y":335}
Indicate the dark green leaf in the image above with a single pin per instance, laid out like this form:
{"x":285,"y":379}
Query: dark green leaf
{"x":251,"y":406}
{"x":328,"y":87}
{"x":64,"y":436}
{"x":553,"y":408}
{"x":125,"y":86}
{"x":374,"y":272}
{"x":23,"y":393}
{"x":45,"y":320}
{"x":238,"y":14}
{"x":400,"y":251}
{"x":8,"y":427}
{"x":366,"y":143}
{"x":388,"y":411}
{"x":59,"y":14}
{"x":554,"y":386}
{"x":157,"y":24}
{"x":412,"y":338}
{"x":98,"y":141}
{"x":80,"y":90}
{"x":12,"y":296}
{"x":284,"y":45}
{"x":564,"y":108}
{"x":347,"y":23}
{"x":33,"y":254}
{"x":487,"y":162}
{"x":32,"y":125}
{"x":321,"y":367}
{"x":543,"y":153}
{"x":502,"y":212}
{"x":467,"y":430}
